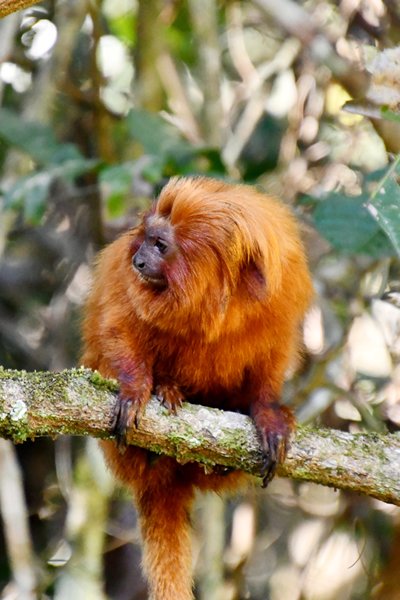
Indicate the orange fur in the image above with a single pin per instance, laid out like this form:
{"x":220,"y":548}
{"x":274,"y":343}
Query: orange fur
{"x":221,"y":332}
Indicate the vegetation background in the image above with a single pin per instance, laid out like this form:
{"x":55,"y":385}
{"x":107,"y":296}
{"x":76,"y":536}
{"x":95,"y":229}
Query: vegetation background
{"x":100,"y":102}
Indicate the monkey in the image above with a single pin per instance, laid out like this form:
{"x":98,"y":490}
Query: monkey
{"x":203,"y":301}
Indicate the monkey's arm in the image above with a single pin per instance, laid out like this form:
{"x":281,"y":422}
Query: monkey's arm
{"x":114,"y":352}
{"x":274,"y":422}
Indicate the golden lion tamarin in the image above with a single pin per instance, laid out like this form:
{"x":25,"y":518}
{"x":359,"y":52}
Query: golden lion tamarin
{"x":203,"y":301}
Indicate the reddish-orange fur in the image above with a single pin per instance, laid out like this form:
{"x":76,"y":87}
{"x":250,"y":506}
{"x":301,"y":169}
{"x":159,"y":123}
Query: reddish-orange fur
{"x":221,"y":333}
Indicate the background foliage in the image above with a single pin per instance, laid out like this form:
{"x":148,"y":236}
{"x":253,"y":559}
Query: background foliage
{"x":101,"y":102}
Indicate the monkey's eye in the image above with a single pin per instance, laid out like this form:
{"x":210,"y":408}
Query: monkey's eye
{"x":161,"y":245}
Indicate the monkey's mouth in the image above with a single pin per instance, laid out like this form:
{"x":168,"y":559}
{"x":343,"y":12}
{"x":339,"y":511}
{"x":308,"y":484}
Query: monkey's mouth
{"x":156,"y":282}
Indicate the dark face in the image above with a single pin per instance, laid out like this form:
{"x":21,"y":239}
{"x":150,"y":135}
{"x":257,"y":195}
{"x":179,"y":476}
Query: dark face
{"x":155,"y":253}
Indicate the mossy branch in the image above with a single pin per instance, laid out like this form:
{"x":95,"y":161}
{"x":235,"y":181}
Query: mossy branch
{"x":10,"y":6}
{"x":80,"y":402}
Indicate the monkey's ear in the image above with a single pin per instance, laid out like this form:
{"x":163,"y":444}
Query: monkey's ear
{"x":253,"y":279}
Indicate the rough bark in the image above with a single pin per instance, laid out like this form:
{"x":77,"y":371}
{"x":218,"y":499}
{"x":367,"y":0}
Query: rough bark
{"x":10,"y":6}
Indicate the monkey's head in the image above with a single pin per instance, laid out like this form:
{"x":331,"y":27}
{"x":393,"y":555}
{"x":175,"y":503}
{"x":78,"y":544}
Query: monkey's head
{"x":157,"y":249}
{"x":205,"y":247}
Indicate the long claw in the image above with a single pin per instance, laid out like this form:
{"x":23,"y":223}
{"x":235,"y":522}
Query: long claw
{"x":274,"y":424}
{"x":127,"y":413}
{"x":274,"y":445}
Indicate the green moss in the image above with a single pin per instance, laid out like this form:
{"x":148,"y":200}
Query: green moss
{"x":16,"y":432}
{"x":94,"y":377}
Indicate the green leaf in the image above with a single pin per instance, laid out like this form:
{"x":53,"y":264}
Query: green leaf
{"x":389,"y":115}
{"x":116,"y":182}
{"x":384,"y":205}
{"x":30,"y":192}
{"x":35,"y":139}
{"x":156,"y":136}
{"x":346,"y":223}
{"x":72,"y":168}
{"x":153,"y":170}
{"x":124,"y":27}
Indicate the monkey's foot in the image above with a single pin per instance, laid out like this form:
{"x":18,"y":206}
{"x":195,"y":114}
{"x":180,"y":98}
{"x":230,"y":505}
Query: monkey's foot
{"x":274,"y":423}
{"x":127,"y":413}
{"x":170,"y":396}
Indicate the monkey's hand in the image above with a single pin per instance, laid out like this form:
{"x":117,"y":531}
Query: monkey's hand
{"x":170,"y":396}
{"x":129,"y":408}
{"x":274,"y":424}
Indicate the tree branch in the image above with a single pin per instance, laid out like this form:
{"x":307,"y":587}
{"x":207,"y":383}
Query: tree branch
{"x":80,"y":402}
{"x":10,"y":6}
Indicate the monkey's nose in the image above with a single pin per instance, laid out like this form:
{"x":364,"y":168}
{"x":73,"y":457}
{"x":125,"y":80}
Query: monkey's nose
{"x":138,"y":262}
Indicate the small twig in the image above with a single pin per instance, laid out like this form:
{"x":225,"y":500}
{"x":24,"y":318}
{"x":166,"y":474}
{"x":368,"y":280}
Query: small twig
{"x":184,"y":118}
{"x":80,"y":402}
{"x":255,"y":105}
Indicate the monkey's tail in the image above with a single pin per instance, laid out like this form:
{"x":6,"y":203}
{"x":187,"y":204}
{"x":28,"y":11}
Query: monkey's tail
{"x":164,"y":499}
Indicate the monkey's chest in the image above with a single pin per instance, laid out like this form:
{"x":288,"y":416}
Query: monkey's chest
{"x":206,"y":375}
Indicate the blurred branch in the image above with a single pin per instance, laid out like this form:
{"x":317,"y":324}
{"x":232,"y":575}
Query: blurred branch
{"x":34,"y":358}
{"x":297,"y":21}
{"x":255,"y":95}
{"x":8,"y":29}
{"x":54,"y":73}
{"x":293,"y":18}
{"x":236,"y":43}
{"x":102,"y":119}
{"x":14,"y":515}
{"x":150,"y":34}
{"x":178,"y":101}
{"x":204,"y":20}
{"x":80,"y":402}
